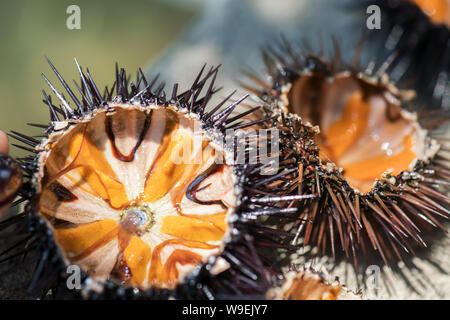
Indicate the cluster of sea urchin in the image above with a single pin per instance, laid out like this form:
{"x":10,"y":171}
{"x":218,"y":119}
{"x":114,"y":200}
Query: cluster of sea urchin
{"x":143,"y":193}
{"x":379,"y":176}
{"x":160,"y":197}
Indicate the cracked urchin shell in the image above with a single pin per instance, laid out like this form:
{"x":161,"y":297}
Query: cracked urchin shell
{"x":116,"y":187}
{"x":377,"y":169}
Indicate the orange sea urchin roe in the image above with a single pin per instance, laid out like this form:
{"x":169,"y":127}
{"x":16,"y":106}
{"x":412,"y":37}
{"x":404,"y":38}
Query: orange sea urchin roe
{"x":129,"y":218}
{"x":437,"y":10}
{"x":336,"y":141}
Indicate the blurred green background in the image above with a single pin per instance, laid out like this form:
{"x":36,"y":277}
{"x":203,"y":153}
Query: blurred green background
{"x":133,"y":33}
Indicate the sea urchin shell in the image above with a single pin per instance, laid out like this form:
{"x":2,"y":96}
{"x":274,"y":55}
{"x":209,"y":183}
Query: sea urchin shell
{"x":376,"y":171}
{"x":119,"y":202}
{"x":142,"y":192}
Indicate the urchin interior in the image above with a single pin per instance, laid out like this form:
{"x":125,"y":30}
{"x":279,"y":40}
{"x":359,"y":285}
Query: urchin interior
{"x":363,"y":129}
{"x":138,"y":195}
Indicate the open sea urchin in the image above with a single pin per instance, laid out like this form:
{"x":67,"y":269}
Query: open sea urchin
{"x":119,"y":205}
{"x":380,"y":177}
{"x":141,"y":191}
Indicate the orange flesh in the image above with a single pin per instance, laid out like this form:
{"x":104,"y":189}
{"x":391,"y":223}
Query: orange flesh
{"x":159,"y":274}
{"x":166,"y":172}
{"x":96,"y":171}
{"x":78,"y":239}
{"x":137,"y":255}
{"x":344,"y":133}
{"x":189,"y":228}
{"x":189,"y":171}
{"x":141,"y":260}
{"x":437,"y":10}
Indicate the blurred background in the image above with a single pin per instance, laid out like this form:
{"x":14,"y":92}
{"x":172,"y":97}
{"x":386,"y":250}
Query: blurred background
{"x":173,"y":37}
{"x":132,"y":33}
